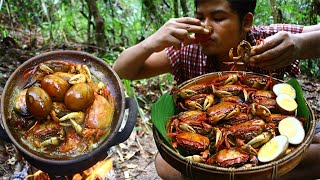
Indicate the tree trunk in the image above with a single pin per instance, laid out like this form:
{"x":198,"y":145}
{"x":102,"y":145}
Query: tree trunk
{"x":184,"y":7}
{"x":176,"y":9}
{"x":152,"y":12}
{"x":276,"y":12}
{"x":99,"y":24}
{"x":109,"y":4}
{"x":314,"y":11}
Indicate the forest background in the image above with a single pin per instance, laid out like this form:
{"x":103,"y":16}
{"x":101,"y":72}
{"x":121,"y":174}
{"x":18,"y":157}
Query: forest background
{"x":107,"y":27}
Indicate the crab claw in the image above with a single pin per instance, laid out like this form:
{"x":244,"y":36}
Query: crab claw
{"x":78,"y":78}
{"x":45,"y":68}
{"x":187,"y":93}
{"x":249,"y":149}
{"x":83,"y":69}
{"x":77,"y":127}
{"x":193,"y":104}
{"x":195,"y":158}
{"x":260,"y":139}
{"x":78,"y":117}
{"x":208,"y":102}
{"x":186,"y":127}
{"x":260,"y":110}
{"x":218,"y":135}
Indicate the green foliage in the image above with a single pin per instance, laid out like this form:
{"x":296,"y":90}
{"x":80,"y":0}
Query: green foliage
{"x":127,"y":22}
{"x":263,"y":13}
{"x":293,"y":12}
{"x":161,"y":112}
{"x":3,"y":32}
{"x":311,"y":67}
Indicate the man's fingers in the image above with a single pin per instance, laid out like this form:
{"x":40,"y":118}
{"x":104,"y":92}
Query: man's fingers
{"x":275,"y":63}
{"x":188,"y":20}
{"x":264,"y":57}
{"x":267,"y":44}
{"x":176,"y":43}
{"x":182,"y":35}
{"x":190,"y":24}
{"x":193,"y":28}
{"x":268,"y":55}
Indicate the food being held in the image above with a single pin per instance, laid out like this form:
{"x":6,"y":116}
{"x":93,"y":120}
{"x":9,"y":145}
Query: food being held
{"x":243,"y":54}
{"x":243,"y":123}
{"x":204,"y":37}
{"x":63,"y":111}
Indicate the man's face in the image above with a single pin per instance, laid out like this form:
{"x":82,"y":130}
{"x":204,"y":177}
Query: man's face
{"x":227,"y":31}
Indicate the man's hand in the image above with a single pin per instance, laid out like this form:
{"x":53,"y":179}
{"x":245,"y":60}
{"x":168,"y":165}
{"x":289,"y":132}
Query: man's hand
{"x":174,"y":32}
{"x":277,"y":51}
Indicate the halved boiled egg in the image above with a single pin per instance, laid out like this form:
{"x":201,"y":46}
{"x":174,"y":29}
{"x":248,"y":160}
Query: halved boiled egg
{"x":284,"y":88}
{"x":293,"y":129}
{"x":273,"y":149}
{"x":286,"y":104}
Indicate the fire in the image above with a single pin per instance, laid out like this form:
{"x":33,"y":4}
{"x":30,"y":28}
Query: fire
{"x":38,"y":175}
{"x":98,"y":171}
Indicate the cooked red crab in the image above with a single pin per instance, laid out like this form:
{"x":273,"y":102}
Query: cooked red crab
{"x":203,"y":37}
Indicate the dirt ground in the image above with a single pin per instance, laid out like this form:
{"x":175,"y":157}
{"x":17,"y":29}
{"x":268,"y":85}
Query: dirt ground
{"x":133,"y":159}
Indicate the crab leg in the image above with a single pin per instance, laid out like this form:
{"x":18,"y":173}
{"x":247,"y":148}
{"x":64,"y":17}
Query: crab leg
{"x":261,"y":139}
{"x":78,"y":117}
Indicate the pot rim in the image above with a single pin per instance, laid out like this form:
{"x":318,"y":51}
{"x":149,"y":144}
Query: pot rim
{"x":103,"y":146}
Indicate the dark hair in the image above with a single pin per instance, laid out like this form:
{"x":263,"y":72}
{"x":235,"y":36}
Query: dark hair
{"x":241,"y":7}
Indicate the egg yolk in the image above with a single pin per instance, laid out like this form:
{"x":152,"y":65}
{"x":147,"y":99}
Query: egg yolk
{"x":286,"y":90}
{"x":291,"y":129}
{"x":269,"y":149}
{"x":289,"y":104}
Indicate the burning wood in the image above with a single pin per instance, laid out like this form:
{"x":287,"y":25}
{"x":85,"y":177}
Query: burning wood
{"x":99,"y":170}
{"x":38,"y":176}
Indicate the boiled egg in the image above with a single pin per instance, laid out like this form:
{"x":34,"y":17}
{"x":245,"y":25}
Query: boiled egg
{"x":284,"y":88}
{"x":273,"y":149}
{"x":293,"y":129}
{"x":286,"y":104}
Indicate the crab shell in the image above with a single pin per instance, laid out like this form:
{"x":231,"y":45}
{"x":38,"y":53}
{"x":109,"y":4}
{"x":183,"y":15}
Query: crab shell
{"x":223,"y":110}
{"x":192,"y":142}
{"x":100,"y":113}
{"x":195,"y":115}
{"x":249,"y":129}
{"x":231,"y":157}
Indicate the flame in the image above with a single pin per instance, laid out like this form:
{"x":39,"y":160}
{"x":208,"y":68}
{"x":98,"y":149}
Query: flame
{"x":77,"y":177}
{"x":99,"y":170}
{"x":38,"y":175}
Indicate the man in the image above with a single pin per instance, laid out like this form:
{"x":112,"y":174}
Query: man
{"x":172,"y":49}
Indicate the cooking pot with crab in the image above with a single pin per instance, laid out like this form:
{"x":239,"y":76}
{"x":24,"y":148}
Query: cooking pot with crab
{"x":122,"y":120}
{"x":196,"y":170}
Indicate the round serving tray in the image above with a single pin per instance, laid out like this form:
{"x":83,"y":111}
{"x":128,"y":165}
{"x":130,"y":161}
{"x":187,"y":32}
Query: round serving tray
{"x":270,"y":170}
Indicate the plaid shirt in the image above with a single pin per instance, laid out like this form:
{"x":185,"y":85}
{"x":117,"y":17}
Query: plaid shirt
{"x":189,"y":62}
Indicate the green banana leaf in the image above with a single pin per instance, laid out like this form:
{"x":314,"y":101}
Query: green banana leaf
{"x":161,"y":111}
{"x":164,"y":108}
{"x":303,"y":110}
